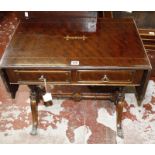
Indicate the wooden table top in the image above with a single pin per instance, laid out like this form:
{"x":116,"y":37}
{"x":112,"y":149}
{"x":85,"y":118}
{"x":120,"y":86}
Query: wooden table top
{"x":102,"y":43}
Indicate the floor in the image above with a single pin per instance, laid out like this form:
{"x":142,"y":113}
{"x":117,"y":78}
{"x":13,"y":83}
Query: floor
{"x":81,"y":122}
{"x":72,"y":122}
{"x":64,"y":122}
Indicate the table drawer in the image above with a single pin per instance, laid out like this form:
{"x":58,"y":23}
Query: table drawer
{"x":35,"y":75}
{"x":110,"y":76}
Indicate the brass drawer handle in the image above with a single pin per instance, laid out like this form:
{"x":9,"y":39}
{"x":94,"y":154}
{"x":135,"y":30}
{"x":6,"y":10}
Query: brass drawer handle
{"x":42,"y":78}
{"x":105,"y":78}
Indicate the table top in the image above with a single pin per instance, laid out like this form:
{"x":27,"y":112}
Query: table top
{"x":95,"y":43}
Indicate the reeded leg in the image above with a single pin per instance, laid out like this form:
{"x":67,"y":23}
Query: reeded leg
{"x":119,"y":111}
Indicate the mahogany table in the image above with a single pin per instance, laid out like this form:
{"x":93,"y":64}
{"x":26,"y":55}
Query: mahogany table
{"x":98,"y":53}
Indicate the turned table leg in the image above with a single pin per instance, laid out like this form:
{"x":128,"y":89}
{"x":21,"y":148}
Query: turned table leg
{"x":34,"y":110}
{"x":119,"y":111}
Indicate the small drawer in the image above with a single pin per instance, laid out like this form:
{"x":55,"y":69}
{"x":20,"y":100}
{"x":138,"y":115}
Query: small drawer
{"x":109,"y":76}
{"x":35,"y":75}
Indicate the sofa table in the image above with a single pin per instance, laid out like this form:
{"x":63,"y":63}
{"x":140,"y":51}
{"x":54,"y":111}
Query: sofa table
{"x":97,"y":53}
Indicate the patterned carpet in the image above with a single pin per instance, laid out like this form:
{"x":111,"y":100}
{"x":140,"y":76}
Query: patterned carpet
{"x":139,"y":122}
{"x":78,"y":122}
{"x":64,"y":122}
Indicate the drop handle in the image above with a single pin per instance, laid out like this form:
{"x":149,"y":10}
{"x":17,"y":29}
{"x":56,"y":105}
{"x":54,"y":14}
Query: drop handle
{"x":42,"y":78}
{"x":105,"y":78}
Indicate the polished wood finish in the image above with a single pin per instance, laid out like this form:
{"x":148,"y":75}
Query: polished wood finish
{"x":102,"y":77}
{"x":18,"y":76}
{"x":146,"y":27}
{"x":81,"y":51}
{"x":119,"y":110}
{"x":110,"y":77}
{"x":34,"y":108}
{"x":43,"y":45}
